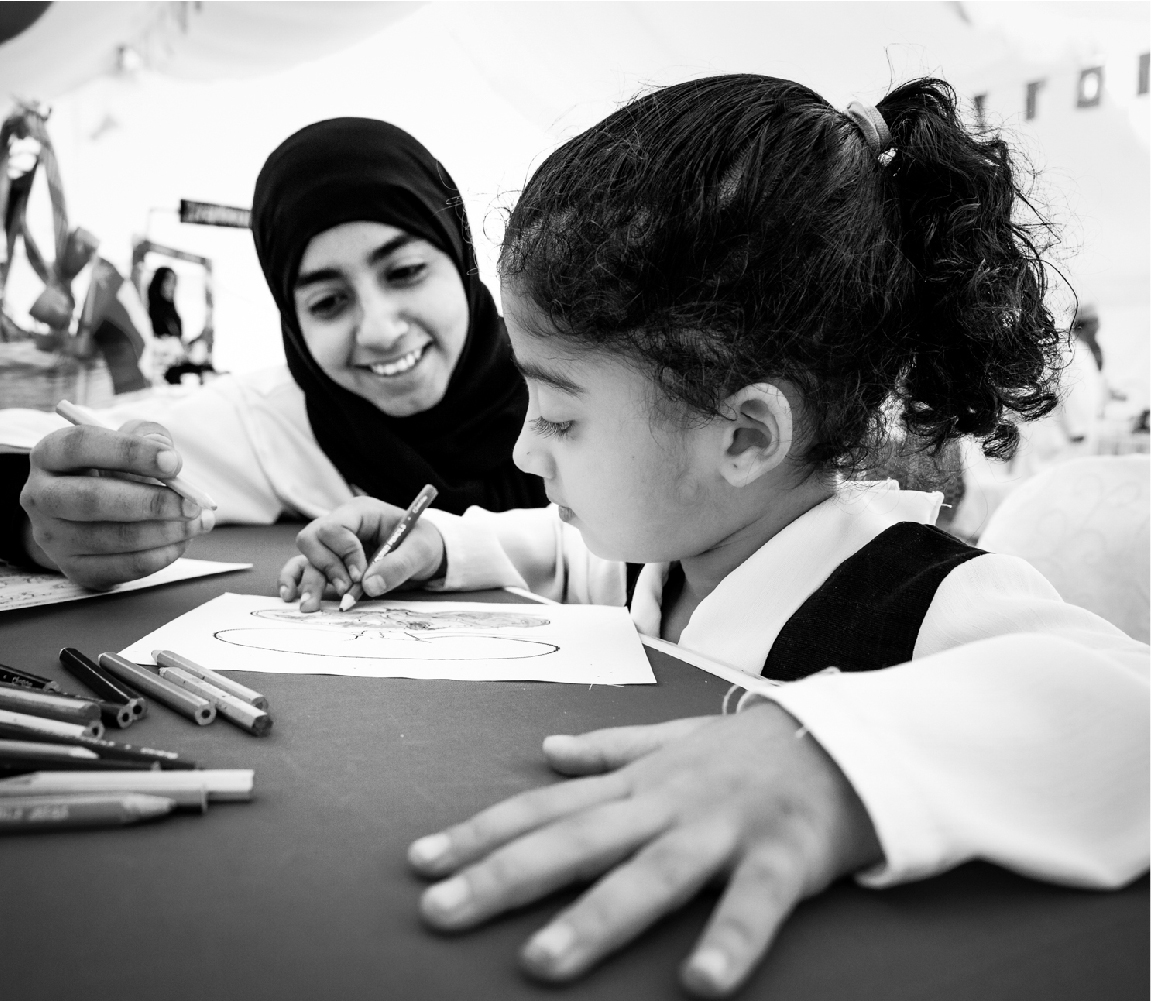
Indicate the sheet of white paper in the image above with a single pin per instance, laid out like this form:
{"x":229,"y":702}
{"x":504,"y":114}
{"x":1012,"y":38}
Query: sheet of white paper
{"x":21,"y":588}
{"x":459,"y":640}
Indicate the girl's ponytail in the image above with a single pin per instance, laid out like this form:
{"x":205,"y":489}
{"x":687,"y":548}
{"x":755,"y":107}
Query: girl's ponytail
{"x":981,"y":345}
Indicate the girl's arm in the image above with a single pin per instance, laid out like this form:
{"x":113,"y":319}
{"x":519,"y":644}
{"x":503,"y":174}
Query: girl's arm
{"x":529,"y":548}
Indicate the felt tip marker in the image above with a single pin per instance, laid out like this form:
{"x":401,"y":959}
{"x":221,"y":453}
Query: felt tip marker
{"x":403,"y":528}
{"x":29,"y":813}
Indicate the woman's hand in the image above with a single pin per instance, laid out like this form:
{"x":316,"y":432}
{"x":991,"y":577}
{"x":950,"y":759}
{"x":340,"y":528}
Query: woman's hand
{"x":92,"y":518}
{"x":671,"y":807}
{"x":335,"y":550}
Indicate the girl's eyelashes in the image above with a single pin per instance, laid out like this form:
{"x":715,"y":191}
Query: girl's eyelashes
{"x":551,"y":429}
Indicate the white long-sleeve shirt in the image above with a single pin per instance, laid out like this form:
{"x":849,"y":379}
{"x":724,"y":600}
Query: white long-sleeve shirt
{"x":245,"y":439}
{"x":1017,"y":733}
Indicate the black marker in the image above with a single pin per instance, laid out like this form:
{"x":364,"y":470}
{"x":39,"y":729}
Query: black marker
{"x":107,"y":687}
{"x":26,"y":679}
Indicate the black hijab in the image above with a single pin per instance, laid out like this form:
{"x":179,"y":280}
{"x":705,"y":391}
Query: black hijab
{"x":162,"y":310}
{"x":358,"y":169}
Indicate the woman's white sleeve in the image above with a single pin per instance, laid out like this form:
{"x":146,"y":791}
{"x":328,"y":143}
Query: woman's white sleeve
{"x":244,"y":439}
{"x":529,"y":548}
{"x":1017,"y":734}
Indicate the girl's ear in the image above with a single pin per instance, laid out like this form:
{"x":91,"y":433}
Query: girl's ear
{"x":758,"y":436}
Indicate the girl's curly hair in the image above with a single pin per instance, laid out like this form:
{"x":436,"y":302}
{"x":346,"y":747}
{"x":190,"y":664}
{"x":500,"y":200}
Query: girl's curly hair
{"x":738,"y":229}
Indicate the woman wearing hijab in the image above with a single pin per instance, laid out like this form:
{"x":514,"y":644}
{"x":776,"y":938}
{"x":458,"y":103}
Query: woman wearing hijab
{"x":399,"y":373}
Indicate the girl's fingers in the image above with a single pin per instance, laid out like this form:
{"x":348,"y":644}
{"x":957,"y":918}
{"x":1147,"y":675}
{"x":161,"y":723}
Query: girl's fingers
{"x":414,"y":558}
{"x":445,"y":852}
{"x":329,"y":547}
{"x":764,"y":889}
{"x":606,"y":750}
{"x":661,"y":877}
{"x":312,"y":585}
{"x":576,"y":848}
{"x":291,"y":576}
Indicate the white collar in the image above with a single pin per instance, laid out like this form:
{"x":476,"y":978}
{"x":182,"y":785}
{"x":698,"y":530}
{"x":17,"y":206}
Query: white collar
{"x":738,"y":622}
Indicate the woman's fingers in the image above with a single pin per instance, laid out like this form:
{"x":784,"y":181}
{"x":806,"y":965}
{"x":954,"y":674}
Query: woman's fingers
{"x":574,"y":849}
{"x":74,"y":449}
{"x":103,"y":572}
{"x":763,"y":891}
{"x":605,"y":750}
{"x":102,"y":498}
{"x":661,"y":877}
{"x":445,"y":852}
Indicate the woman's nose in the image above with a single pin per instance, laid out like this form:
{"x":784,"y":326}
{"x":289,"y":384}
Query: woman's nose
{"x":381,"y":324}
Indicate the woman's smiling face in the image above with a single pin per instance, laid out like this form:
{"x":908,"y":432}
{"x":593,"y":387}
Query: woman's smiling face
{"x":383,"y":313}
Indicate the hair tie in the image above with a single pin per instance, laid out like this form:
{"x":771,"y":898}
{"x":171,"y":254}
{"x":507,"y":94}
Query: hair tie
{"x":875,"y":131}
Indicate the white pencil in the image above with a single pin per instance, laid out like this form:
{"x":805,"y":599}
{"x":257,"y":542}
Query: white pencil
{"x":187,"y":788}
{"x":82,"y":417}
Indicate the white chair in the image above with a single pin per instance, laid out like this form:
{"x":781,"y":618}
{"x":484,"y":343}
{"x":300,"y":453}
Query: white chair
{"x":1083,"y":524}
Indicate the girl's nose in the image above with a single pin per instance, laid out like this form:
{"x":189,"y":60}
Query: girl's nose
{"x":529,"y":455}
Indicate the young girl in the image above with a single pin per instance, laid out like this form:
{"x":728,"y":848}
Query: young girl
{"x":719,"y":297}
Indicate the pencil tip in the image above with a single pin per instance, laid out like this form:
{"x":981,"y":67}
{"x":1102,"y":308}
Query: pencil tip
{"x":346,"y":602}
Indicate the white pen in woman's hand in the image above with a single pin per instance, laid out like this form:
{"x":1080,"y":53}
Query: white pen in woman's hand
{"x":82,"y":417}
{"x":399,"y":533}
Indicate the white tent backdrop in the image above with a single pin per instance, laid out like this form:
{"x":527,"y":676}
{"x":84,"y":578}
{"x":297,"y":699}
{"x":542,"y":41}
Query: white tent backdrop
{"x":490,"y":88}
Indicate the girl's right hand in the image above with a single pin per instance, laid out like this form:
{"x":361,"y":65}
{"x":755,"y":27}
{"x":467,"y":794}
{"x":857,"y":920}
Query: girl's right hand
{"x":335,"y":550}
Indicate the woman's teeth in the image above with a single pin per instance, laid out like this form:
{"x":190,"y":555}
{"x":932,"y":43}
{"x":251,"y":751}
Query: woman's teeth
{"x":400,"y":365}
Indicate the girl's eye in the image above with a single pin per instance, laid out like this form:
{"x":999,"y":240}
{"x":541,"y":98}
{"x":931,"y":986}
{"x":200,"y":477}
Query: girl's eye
{"x":406,"y":274}
{"x":551,"y":429}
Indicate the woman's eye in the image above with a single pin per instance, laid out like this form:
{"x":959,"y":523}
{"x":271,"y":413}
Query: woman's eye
{"x":551,"y":429}
{"x":406,"y":274}
{"x":328,"y":306}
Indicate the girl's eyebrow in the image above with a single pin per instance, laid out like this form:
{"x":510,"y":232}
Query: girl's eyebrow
{"x":557,"y":380}
{"x":306,"y":278}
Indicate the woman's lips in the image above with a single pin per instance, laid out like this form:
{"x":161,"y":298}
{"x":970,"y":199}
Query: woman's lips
{"x":398,"y":366}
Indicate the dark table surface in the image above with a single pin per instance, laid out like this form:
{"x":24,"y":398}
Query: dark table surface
{"x":304,"y":892}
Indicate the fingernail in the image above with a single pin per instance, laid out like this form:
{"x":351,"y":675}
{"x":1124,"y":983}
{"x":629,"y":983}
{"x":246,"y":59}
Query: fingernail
{"x":373,"y":586}
{"x":304,"y":598}
{"x":448,"y":896}
{"x":428,"y":850}
{"x":711,"y":966}
{"x":163,"y":439}
{"x":168,"y":461}
{"x":355,"y":573}
{"x":190,"y":508}
{"x":560,"y":742}
{"x":207,"y":520}
{"x":340,"y":587}
{"x":551,"y":944}
{"x":284,"y":592}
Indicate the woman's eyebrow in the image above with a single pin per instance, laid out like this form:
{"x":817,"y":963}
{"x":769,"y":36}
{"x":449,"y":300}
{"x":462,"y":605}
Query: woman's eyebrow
{"x":557,"y":380}
{"x":306,"y":278}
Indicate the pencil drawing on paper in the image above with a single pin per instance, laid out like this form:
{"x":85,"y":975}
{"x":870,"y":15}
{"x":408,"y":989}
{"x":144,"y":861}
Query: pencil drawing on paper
{"x":393,"y":634}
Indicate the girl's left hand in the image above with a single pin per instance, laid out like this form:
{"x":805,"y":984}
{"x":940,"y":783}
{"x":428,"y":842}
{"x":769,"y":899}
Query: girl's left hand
{"x":668,"y":808}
